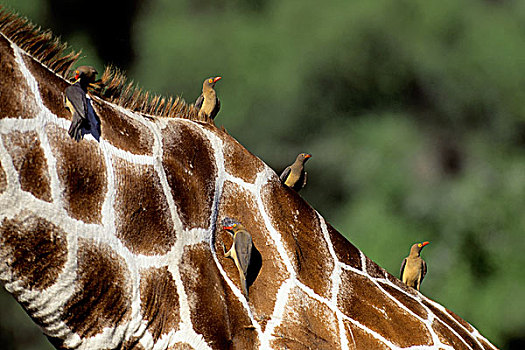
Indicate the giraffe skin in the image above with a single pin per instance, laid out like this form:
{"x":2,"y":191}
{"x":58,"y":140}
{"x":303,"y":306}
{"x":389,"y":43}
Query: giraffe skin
{"x":118,"y":248}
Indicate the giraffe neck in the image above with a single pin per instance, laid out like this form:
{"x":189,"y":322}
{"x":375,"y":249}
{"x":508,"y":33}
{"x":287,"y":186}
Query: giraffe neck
{"x":113,"y":244}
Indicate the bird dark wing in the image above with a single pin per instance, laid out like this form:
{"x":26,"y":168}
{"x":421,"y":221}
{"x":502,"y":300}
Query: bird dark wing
{"x":285,"y":174}
{"x":402,"y":268}
{"x":199,"y":101}
{"x":301,"y":181}
{"x":76,"y":102}
{"x":243,"y":249}
{"x":424,"y":270}
{"x":216,"y":108}
{"x":77,"y":97}
{"x":254,"y":266}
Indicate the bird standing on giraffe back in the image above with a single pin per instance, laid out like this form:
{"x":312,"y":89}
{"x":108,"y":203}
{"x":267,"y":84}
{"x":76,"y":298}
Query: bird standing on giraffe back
{"x":414,"y":268}
{"x":76,"y":101}
{"x":208,"y":104}
{"x":294,"y":175}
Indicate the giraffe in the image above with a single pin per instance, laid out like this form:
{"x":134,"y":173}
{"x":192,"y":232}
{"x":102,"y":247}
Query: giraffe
{"x":112,"y":243}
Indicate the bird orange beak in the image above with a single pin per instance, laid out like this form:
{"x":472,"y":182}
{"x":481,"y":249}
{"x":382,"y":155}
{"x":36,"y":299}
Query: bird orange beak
{"x":307,"y":156}
{"x":424,"y":244}
{"x":217,"y":79}
{"x":227,"y":227}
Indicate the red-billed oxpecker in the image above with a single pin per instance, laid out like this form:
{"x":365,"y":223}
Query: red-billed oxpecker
{"x":208,"y":103}
{"x":413,"y":268}
{"x":240,"y":251}
{"x":76,"y":101}
{"x":294,"y":175}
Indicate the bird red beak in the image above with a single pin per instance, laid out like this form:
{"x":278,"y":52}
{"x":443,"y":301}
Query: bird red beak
{"x":424,"y":244}
{"x":307,"y":156}
{"x":227,"y":227}
{"x":217,"y":79}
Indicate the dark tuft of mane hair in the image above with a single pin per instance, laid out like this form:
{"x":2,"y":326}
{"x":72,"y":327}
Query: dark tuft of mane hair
{"x":113,"y":87}
{"x":41,"y":44}
{"x":116,"y":88}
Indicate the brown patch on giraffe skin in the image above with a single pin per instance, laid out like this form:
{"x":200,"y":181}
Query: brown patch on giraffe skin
{"x":460,"y":320}
{"x":447,"y":319}
{"x":401,"y":285}
{"x":361,"y":300}
{"x":345,"y":251}
{"x":181,"y":346}
{"x":143,"y":219}
{"x":16,"y":98}
{"x":36,"y":249}
{"x":216,"y":313}
{"x":132,"y":344}
{"x":122,"y":131}
{"x":360,"y":339}
{"x":446,"y":336}
{"x":241,"y":205}
{"x":51,"y":87}
{"x":306,"y":324}
{"x":159,"y":301}
{"x":301,"y":234}
{"x":411,"y":303}
{"x":81,"y":170}
{"x":102,"y":292}
{"x":238,"y":161}
{"x":373,"y":269}
{"x":30,"y":163}
{"x":190,"y":171}
{"x":3,"y":179}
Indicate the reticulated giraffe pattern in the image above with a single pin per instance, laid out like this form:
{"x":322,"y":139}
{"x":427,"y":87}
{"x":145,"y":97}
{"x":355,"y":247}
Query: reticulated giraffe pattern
{"x":118,"y":243}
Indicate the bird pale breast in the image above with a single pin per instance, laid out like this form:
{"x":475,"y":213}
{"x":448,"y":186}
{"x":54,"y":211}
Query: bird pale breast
{"x":412,"y":271}
{"x":209,"y":102}
{"x":292,"y":178}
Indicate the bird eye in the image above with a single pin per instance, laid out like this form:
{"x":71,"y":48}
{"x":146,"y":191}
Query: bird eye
{"x":419,"y":245}
{"x":234,"y":225}
{"x":210,"y":81}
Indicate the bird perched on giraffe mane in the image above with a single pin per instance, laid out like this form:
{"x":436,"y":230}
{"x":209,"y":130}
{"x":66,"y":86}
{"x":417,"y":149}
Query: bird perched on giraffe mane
{"x":414,"y":268}
{"x":76,"y":101}
{"x":240,"y":251}
{"x":294,"y":175}
{"x":208,"y":103}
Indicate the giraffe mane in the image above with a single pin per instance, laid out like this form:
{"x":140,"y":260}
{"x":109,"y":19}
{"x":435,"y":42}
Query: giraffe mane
{"x":113,"y":87}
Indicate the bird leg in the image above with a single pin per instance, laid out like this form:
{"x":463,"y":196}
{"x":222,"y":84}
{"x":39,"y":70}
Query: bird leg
{"x":227,"y":254}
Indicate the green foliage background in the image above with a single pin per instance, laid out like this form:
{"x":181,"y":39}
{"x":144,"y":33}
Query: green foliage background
{"x":414,"y":112}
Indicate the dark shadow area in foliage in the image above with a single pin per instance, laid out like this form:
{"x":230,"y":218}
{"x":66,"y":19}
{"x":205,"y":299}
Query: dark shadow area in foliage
{"x":108,"y":24}
{"x":516,"y":342}
{"x":478,"y":257}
